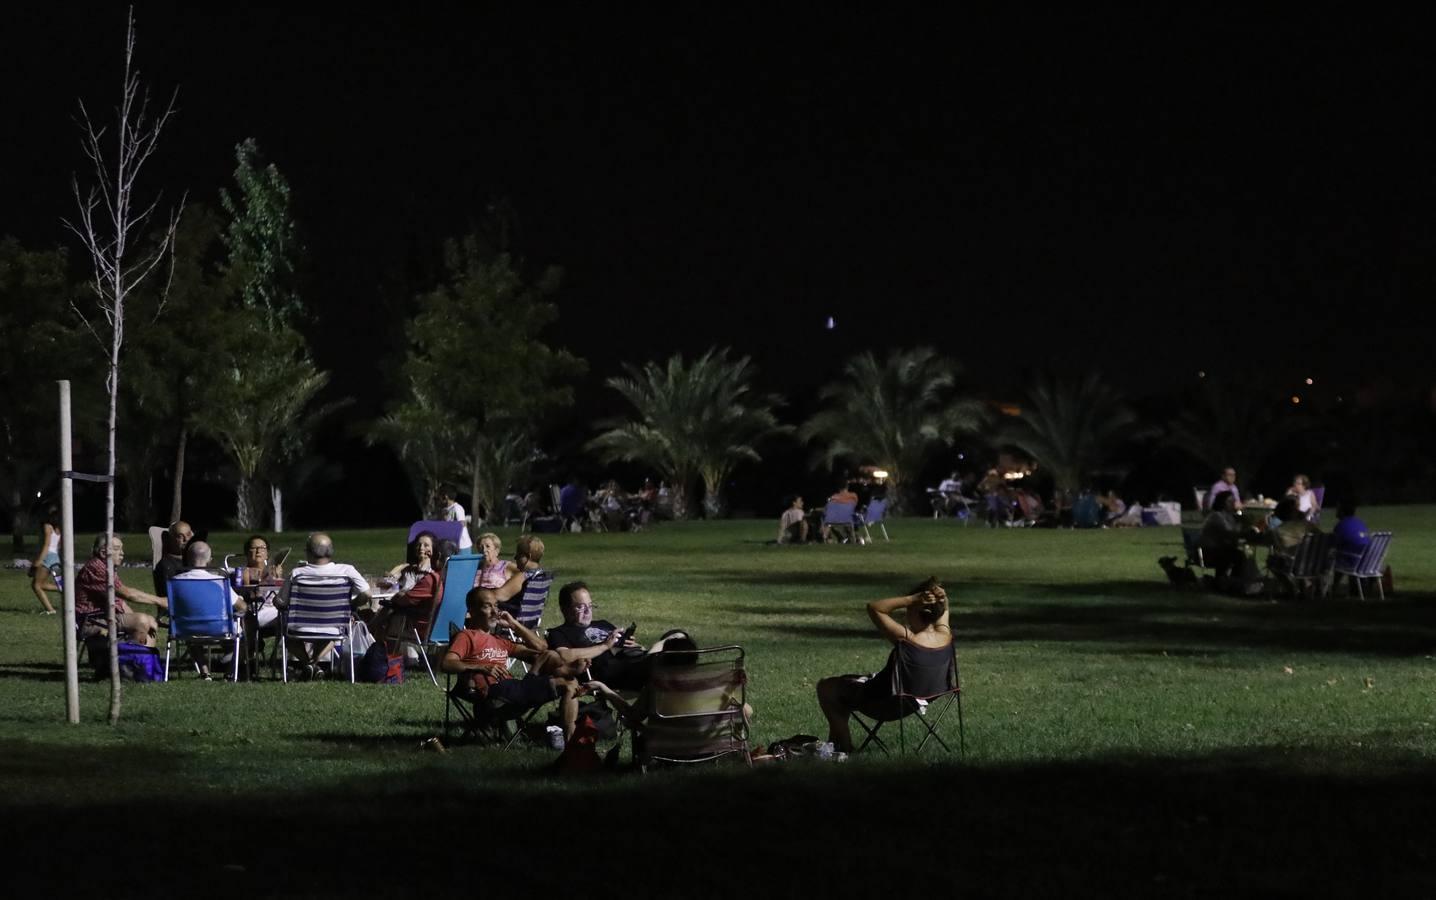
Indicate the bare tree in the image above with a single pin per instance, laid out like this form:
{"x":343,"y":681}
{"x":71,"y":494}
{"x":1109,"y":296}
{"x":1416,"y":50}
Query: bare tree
{"x":110,"y":225}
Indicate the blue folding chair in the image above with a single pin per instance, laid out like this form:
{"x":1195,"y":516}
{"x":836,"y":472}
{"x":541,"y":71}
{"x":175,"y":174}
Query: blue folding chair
{"x":841,"y":515}
{"x":201,"y":613}
{"x":459,"y":574}
{"x":320,"y":609}
{"x":875,"y":514}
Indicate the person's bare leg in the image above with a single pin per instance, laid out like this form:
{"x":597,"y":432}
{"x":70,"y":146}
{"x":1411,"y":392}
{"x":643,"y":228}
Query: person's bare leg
{"x":38,"y":585}
{"x":803,"y":531}
{"x":836,"y":701}
{"x":567,"y":704}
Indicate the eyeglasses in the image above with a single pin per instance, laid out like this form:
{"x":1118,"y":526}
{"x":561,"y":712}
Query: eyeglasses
{"x":585,"y":606}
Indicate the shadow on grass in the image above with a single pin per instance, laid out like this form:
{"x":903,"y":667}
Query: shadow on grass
{"x":38,"y":671}
{"x":1184,"y":827}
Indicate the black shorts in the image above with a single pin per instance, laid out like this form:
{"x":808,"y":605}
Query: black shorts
{"x":530,"y":690}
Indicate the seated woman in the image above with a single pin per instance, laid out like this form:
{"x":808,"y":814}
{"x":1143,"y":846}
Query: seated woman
{"x":1221,"y":537}
{"x":417,"y":584}
{"x":923,"y":638}
{"x":1291,"y":528}
{"x":493,"y":571}
{"x":1305,"y":497}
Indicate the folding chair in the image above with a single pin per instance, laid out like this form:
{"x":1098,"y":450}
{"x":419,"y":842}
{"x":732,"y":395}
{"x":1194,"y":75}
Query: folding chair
{"x":1192,"y":543}
{"x":919,"y":685}
{"x":697,"y":708}
{"x":529,"y":605}
{"x":875,"y":515}
{"x":1200,"y":494}
{"x":418,"y":623}
{"x":1370,"y":566}
{"x":1320,"y":494}
{"x":479,"y":718}
{"x":441,"y":530}
{"x":320,"y":609}
{"x":841,"y":515}
{"x":157,"y":544}
{"x":202,"y":613}
{"x":1312,"y":563}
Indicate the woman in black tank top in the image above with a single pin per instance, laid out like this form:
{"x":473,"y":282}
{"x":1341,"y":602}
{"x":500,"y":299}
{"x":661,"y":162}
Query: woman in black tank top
{"x":922,"y":649}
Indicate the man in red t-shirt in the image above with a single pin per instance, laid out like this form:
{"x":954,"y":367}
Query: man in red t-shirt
{"x":137,"y":627}
{"x":481,"y":658}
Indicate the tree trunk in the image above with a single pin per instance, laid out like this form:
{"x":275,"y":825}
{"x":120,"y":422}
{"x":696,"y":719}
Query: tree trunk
{"x":246,"y":511}
{"x":715,"y":505}
{"x":476,"y":482}
{"x":679,"y":495}
{"x":116,"y":688}
{"x":276,"y":497}
{"x":18,"y":518}
{"x":177,"y":494}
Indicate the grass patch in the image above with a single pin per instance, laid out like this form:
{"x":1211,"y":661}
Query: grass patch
{"x":1121,"y":734}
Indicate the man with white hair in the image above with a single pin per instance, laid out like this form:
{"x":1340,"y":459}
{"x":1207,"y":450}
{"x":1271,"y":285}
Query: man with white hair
{"x":198,"y":556}
{"x":321,"y":569}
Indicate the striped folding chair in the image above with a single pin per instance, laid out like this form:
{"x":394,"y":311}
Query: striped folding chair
{"x":202,"y":613}
{"x":320,"y":609}
{"x":1370,"y":566}
{"x":920,"y":687}
{"x":697,"y":704}
{"x":1311,"y":564}
{"x":528,"y":606}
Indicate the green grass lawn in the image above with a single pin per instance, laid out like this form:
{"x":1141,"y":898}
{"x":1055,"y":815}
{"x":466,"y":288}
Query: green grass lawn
{"x":1123,"y":736}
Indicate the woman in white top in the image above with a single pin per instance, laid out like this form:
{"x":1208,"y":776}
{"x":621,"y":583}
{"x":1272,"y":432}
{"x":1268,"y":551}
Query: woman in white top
{"x":40,"y":580}
{"x":1305,"y":497}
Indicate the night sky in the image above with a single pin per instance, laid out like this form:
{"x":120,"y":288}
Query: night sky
{"x":1152,"y":195}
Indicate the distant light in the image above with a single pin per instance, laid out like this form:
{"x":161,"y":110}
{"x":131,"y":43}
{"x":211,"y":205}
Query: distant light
{"x":880,"y":474}
{"x":962,"y":456}
{"x":1338,"y":399}
{"x":1310,"y":382}
{"x":38,"y":495}
{"x":1202,"y":374}
{"x":1295,"y":398}
{"x":832,"y":323}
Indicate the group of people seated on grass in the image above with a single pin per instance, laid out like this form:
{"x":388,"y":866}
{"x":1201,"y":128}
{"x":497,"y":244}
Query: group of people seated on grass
{"x":1232,"y":530}
{"x":585,"y":655}
{"x":800,"y":525}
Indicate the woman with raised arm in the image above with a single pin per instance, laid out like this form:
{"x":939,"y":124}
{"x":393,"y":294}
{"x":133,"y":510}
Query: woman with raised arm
{"x":922,"y":643}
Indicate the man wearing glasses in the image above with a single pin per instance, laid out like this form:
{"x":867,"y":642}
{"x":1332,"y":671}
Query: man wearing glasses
{"x":581,"y":636}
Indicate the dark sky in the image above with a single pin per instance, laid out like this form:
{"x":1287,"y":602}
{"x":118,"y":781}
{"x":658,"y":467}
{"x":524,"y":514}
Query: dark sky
{"x":1160,"y":194}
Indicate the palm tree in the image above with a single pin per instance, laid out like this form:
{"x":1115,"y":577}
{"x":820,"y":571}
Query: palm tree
{"x":892,"y":414}
{"x":696,"y":420}
{"x":418,"y":430}
{"x":1233,"y":424}
{"x":1071,"y":427}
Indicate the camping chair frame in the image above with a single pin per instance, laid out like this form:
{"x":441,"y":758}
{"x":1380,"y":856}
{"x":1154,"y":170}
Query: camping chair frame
{"x":202,"y":612}
{"x":477,"y":716}
{"x":729,"y":717}
{"x":930,"y":712}
{"x":1370,"y":566}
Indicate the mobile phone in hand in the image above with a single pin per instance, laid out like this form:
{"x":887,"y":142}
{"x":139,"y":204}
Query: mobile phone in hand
{"x":627,"y":634}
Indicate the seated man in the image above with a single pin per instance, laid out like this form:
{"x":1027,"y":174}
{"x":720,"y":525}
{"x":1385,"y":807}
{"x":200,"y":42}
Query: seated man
{"x":581,"y":636}
{"x":320,"y":567}
{"x":175,"y":539}
{"x":136,"y":627}
{"x":481,"y":660}
{"x":793,"y":525}
{"x":197,"y":559}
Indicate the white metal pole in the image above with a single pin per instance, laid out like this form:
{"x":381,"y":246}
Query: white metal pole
{"x":67,"y":561}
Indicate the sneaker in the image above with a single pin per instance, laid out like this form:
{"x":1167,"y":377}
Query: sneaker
{"x":555,"y":737}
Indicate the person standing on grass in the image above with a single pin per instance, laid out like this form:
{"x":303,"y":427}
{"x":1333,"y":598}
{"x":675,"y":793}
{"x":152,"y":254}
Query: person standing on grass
{"x":924,"y":629}
{"x":451,"y":511}
{"x":41,"y":581}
